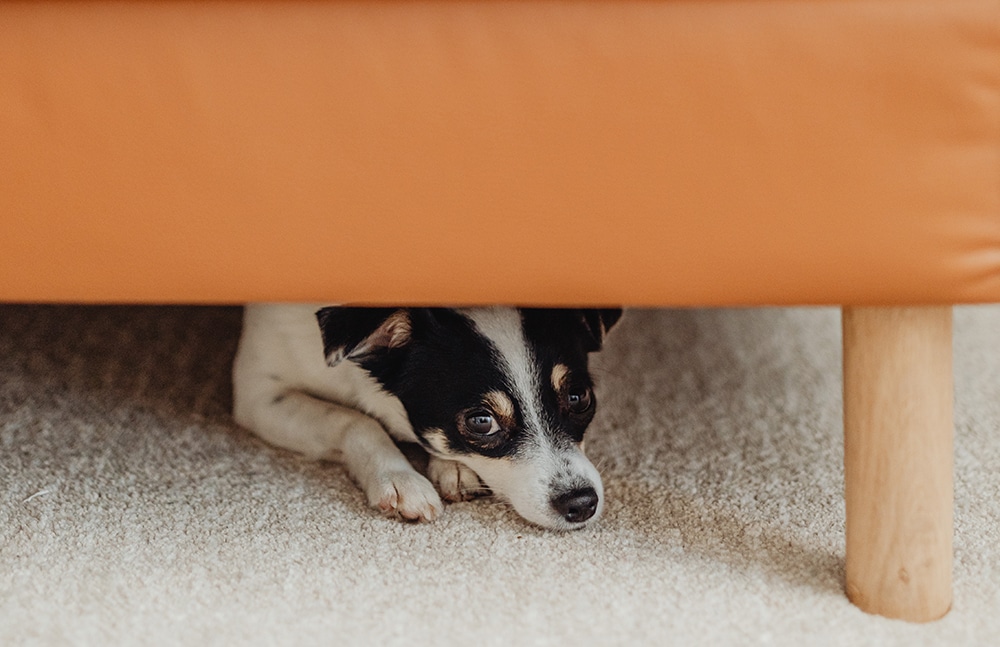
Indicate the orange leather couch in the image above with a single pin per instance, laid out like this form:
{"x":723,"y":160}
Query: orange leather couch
{"x":641,"y":152}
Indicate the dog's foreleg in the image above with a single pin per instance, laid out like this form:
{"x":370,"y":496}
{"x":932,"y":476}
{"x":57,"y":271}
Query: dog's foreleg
{"x":455,"y":481}
{"x":325,"y":430}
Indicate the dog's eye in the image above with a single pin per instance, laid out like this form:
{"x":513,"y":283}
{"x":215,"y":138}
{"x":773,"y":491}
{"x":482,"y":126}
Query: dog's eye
{"x":579,"y":400}
{"x":482,"y":424}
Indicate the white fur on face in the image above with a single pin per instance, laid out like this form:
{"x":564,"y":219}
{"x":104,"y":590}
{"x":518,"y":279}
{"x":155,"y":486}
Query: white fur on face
{"x":527,"y":482}
{"x":503,"y":328}
{"x":542,"y":469}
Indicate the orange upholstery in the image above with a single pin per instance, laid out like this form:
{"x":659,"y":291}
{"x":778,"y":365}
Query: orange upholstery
{"x":543,"y":152}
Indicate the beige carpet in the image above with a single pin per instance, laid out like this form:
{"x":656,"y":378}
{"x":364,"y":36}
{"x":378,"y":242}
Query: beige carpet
{"x":133,"y":511}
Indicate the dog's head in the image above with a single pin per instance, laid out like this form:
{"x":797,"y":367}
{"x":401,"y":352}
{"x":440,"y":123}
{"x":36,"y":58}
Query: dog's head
{"x":505,"y":391}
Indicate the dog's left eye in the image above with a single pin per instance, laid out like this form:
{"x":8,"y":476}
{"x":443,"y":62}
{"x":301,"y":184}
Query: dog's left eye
{"x":482,"y":424}
{"x":579,"y":400}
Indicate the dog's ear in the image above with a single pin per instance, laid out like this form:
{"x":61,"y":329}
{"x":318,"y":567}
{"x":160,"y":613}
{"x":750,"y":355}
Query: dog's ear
{"x":597,"y":322}
{"x":586,"y":326}
{"x":357,"y":333}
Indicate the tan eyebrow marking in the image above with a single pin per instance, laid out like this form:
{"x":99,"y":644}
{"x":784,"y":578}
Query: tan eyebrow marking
{"x":500,"y":403}
{"x":559,"y":373}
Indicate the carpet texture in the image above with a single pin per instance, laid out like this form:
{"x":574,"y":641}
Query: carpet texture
{"x":133,"y":510}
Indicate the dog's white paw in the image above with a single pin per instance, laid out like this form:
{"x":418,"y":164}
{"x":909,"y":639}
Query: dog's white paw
{"x":407,"y":494}
{"x":455,"y":481}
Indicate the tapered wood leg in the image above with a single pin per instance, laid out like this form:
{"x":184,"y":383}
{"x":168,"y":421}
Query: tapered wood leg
{"x":898,"y":429}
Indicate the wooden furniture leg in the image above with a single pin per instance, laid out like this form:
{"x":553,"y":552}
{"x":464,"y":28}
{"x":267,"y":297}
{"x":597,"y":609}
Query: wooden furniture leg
{"x":898,"y":429}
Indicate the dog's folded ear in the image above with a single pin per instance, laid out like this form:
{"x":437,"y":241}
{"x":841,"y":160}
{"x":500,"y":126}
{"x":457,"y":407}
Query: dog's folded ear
{"x":357,"y":333}
{"x":597,"y":322}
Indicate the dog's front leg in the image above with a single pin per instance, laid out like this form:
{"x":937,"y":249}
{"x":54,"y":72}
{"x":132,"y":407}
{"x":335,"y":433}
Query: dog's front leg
{"x":455,"y":481}
{"x":325,"y":430}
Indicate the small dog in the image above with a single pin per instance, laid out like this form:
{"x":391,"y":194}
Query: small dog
{"x":496,"y":396}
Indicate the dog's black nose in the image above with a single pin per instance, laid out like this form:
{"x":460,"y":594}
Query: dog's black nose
{"x":576,"y":505}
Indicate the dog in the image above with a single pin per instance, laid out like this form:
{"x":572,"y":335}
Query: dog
{"x":499,"y":398}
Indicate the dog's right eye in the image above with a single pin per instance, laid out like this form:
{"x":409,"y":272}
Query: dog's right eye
{"x":482,"y":424}
{"x":580,"y":400}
